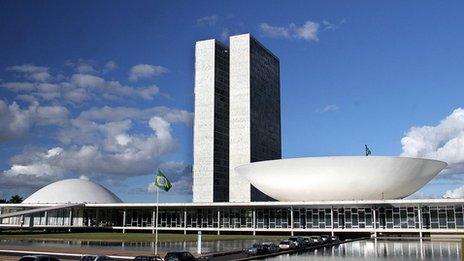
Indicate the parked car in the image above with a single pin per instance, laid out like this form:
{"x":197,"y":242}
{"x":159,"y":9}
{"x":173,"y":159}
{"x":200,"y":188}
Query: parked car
{"x":270,"y":247}
{"x":326,"y":239}
{"x":38,"y":258}
{"x":261,"y":249}
{"x":179,"y":256}
{"x":255,"y":249}
{"x":315,"y":240}
{"x":148,"y":258}
{"x":334,"y":239}
{"x":286,"y":245}
{"x":95,"y":258}
{"x":299,"y":242}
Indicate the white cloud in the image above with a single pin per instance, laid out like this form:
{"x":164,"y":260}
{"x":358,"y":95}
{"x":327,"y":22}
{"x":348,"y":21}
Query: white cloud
{"x":207,"y":20}
{"x":82,"y":87}
{"x":444,"y":141}
{"x":18,"y":86}
{"x":110,"y":66}
{"x":308,"y":31}
{"x":82,"y":66}
{"x":141,"y":71}
{"x":328,"y":108}
{"x":122,"y":113}
{"x":116,"y":153}
{"x":15,"y":122}
{"x":455,"y":193}
{"x":32,"y":72}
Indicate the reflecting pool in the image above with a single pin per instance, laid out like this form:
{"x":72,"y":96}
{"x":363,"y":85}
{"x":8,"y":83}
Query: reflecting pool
{"x":207,"y":246}
{"x":381,"y":250}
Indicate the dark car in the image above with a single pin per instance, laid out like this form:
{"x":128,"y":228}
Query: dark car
{"x":261,"y":249}
{"x":299,"y":241}
{"x":95,"y":258}
{"x":287,"y":245}
{"x":255,"y":249}
{"x":326,"y":239}
{"x":180,"y":256}
{"x":148,"y":258}
{"x":315,"y":240}
{"x":38,"y":258}
{"x":334,"y":239}
{"x":270,"y":247}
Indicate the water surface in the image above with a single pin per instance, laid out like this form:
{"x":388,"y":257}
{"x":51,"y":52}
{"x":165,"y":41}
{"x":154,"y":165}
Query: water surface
{"x":381,"y":250}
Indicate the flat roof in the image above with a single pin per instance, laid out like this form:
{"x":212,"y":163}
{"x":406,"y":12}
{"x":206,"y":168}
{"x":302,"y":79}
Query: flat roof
{"x":265,"y":204}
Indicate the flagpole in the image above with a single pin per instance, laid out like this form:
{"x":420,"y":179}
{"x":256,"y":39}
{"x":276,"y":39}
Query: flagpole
{"x":156,"y":224}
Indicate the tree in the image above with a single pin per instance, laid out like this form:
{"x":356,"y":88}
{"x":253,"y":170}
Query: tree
{"x":15,"y":199}
{"x":2,"y":200}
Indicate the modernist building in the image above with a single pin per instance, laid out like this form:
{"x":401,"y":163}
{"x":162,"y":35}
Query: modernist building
{"x":105,"y":211}
{"x":211,"y":123}
{"x":236,"y":138}
{"x":84,"y":205}
{"x":254,"y":112}
{"x":237,"y":117}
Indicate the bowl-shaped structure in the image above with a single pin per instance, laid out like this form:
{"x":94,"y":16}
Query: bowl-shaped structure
{"x":340,"y":178}
{"x":72,"y":191}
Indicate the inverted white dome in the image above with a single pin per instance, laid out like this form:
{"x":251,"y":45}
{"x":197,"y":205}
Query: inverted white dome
{"x":340,"y":178}
{"x":72,"y":191}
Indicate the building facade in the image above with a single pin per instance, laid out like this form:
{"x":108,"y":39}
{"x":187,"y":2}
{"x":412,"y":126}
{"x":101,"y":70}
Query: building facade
{"x":420,"y":217}
{"x":211,"y":124}
{"x":237,"y":117}
{"x":254,"y":112}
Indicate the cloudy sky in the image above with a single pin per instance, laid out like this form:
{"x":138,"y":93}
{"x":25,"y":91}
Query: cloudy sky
{"x":104,"y":90}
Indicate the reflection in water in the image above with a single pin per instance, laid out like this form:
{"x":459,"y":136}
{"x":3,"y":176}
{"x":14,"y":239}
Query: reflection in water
{"x":381,"y":250}
{"x":359,"y":250}
{"x":207,"y":246}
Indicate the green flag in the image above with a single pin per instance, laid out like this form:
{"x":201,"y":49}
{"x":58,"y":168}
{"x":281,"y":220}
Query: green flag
{"x":162,"y":182}
{"x":368,"y":151}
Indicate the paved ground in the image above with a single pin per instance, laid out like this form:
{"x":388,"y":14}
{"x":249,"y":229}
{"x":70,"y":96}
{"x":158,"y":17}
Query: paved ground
{"x":15,"y":258}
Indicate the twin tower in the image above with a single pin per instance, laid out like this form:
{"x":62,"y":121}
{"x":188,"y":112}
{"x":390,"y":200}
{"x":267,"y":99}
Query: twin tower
{"x":237,"y":117}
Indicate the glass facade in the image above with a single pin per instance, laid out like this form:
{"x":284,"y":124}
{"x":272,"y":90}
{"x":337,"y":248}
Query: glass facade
{"x":374,"y":218}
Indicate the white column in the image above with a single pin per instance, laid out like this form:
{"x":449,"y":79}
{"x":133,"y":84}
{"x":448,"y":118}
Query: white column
{"x":124,"y":221}
{"x":332,"y":220}
{"x":291,"y":219}
{"x":219,"y":221}
{"x":374,"y":215}
{"x":254,"y":221}
{"x":70,"y":221}
{"x":153,"y":217}
{"x":185,"y":221}
{"x":419,"y":213}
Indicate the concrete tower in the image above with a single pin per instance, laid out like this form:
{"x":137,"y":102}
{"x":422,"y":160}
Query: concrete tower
{"x":211,"y":124}
{"x":255,"y":132}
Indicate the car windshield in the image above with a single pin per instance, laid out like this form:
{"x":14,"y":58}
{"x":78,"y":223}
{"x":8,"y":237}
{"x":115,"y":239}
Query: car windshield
{"x":88,"y":258}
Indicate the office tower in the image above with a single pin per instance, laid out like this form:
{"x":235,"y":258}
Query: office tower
{"x":255,"y":133}
{"x":211,"y":124}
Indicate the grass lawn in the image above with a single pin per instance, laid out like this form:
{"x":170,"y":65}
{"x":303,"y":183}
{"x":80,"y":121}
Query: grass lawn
{"x":129,"y":237}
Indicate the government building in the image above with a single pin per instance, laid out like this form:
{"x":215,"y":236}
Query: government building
{"x":240,"y":182}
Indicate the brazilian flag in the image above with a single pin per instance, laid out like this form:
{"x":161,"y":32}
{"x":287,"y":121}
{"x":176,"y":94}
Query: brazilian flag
{"x":162,"y":182}
{"x":368,"y":151}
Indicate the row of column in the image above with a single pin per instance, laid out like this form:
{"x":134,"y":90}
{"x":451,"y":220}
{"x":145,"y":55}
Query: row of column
{"x":374,"y":230}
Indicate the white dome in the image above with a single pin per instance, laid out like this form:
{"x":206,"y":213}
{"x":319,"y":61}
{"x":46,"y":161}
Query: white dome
{"x":72,"y":191}
{"x":340,"y":178}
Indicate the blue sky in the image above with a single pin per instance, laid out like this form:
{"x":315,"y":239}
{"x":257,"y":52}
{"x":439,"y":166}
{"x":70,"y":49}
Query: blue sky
{"x":104,"y":90}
